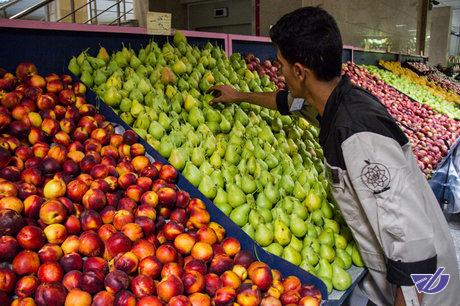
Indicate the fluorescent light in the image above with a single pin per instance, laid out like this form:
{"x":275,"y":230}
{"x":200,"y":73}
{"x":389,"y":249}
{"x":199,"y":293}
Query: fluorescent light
{"x":400,"y":25}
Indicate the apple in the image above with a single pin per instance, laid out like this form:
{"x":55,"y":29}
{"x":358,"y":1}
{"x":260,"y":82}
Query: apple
{"x":72,"y":280}
{"x":116,"y":281}
{"x":71,"y":261}
{"x":50,"y":272}
{"x":50,"y":294}
{"x":26,"y":286}
{"x":50,"y":253}
{"x":143,"y":285}
{"x":90,"y":244}
{"x":126,"y":262}
{"x":77,"y":297}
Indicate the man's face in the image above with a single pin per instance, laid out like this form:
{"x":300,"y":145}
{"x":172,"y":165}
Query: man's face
{"x":292,"y":81}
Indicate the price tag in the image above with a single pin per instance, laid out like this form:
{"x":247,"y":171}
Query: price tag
{"x":158,"y":23}
{"x":297,"y":104}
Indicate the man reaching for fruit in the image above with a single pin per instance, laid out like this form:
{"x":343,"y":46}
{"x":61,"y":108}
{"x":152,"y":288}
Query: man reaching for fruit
{"x":382,"y":194}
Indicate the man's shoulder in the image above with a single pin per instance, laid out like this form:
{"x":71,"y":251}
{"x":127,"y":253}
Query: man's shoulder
{"x":360,"y":111}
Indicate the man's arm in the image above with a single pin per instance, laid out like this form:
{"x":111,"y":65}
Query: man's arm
{"x":394,"y":205}
{"x":227,"y":94}
{"x":399,"y":298}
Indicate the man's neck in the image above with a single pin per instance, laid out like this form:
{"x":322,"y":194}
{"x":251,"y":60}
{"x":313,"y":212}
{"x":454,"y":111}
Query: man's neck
{"x":322,"y":91}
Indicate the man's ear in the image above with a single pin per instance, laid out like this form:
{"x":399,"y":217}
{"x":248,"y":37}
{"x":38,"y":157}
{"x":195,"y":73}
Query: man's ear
{"x":300,"y":71}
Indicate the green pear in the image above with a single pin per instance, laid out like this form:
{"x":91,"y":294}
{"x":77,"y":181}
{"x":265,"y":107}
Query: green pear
{"x":112,"y":97}
{"x":192,"y":174}
{"x":240,"y":215}
{"x":177,"y":159}
{"x":236,"y":196}
{"x":208,"y":187}
{"x":134,"y":62}
{"x":74,"y":67}
{"x":255,"y":219}
{"x":275,"y":249}
{"x":298,"y":226}
{"x":282,"y":235}
{"x":324,"y":269}
{"x":309,"y":255}
{"x":179,"y":38}
{"x":300,"y":211}
{"x":248,"y":229}
{"x":292,"y":255}
{"x":296,"y":243}
{"x":327,"y":252}
{"x":263,"y":235}
{"x":326,"y":209}
{"x":340,"y":242}
{"x":143,"y":86}
{"x":166,"y":146}
{"x":326,"y":237}
{"x":127,"y":117}
{"x":190,"y":102}
{"x":346,"y":258}
{"x":137,"y":95}
{"x":341,"y":280}
{"x":248,"y":184}
{"x":86,"y":78}
{"x":356,"y":257}
{"x":263,"y":202}
{"x":339,"y":262}
{"x":179,"y":67}
{"x":332,"y":224}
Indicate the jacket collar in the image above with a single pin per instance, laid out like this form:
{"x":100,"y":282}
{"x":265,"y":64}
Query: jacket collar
{"x":331,"y":108}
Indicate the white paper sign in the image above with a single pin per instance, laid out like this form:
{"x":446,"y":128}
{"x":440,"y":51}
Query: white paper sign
{"x":158,"y":23}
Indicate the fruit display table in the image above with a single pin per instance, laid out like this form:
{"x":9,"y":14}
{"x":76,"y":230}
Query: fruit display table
{"x":52,"y":45}
{"x":334,"y":299}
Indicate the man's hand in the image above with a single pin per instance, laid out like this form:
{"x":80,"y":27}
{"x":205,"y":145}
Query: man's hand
{"x":228,"y":94}
{"x":224,"y":94}
{"x":399,"y":297}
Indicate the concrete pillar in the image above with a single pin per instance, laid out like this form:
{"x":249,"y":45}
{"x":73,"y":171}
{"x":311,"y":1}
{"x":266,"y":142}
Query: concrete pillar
{"x":141,"y":8}
{"x":64,"y":7}
{"x":441,"y":19}
{"x":272,"y":10}
{"x":422,"y":20}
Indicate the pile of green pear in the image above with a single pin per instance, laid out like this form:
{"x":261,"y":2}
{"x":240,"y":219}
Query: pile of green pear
{"x":262,"y":169}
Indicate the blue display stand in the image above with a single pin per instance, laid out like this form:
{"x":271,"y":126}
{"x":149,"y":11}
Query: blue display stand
{"x":51,"y":45}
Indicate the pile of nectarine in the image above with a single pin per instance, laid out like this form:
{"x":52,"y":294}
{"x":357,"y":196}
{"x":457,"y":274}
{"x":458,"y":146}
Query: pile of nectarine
{"x":86,"y":218}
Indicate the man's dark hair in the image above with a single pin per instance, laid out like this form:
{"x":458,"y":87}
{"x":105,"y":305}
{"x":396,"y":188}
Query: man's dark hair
{"x":310,"y":36}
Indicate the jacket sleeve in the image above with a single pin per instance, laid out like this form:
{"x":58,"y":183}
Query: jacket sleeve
{"x":394,"y":204}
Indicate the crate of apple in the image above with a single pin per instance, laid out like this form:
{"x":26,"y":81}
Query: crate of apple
{"x":430,"y":133}
{"x":86,"y":218}
{"x":266,"y":69}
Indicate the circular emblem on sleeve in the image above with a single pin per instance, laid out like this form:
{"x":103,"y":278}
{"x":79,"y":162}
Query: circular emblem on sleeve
{"x":375,"y":176}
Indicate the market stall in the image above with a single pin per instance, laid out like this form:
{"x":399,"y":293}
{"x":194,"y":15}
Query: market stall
{"x":272,"y":177}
